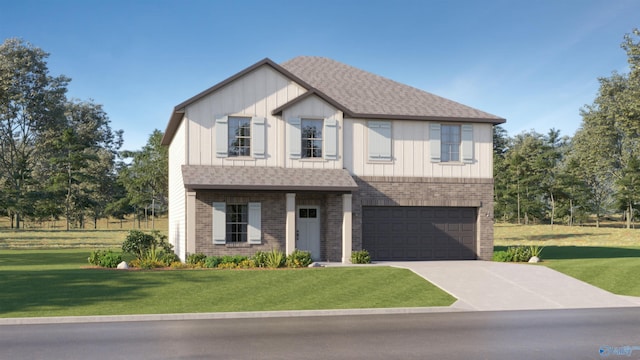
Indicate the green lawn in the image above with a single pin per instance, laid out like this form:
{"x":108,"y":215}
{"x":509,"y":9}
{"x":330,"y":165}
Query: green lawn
{"x":53,"y":283}
{"x":606,"y":257}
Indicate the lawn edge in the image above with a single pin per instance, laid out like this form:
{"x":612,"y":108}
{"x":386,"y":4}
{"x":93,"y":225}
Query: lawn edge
{"x":222,"y":315}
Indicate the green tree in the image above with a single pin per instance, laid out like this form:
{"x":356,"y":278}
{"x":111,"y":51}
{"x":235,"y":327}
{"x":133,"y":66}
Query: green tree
{"x":31,"y":109}
{"x":82,"y":160}
{"x":146,"y":176}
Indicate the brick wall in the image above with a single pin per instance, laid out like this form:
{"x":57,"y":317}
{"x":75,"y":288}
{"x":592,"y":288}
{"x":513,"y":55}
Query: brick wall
{"x":401,"y":191}
{"x":273,"y":221}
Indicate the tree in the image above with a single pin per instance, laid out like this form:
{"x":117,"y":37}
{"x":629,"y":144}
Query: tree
{"x":146,"y":177}
{"x":82,"y":161}
{"x":31,"y":108}
{"x":608,"y":139}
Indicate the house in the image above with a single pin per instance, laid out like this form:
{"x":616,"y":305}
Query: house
{"x":321,"y":156}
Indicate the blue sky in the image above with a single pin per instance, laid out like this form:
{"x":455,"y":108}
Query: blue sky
{"x":535,"y":63}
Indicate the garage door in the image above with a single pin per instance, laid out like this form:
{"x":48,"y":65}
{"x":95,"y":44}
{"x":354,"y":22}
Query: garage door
{"x":419,"y":233}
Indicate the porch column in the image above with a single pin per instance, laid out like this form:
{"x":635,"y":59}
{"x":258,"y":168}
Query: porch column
{"x":191,"y":222}
{"x":346,"y":228}
{"x":290,"y":228}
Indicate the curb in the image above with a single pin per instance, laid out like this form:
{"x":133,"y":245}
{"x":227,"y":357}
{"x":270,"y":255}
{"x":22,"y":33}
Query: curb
{"x":222,"y":316}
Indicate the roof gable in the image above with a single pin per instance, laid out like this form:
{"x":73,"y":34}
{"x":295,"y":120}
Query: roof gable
{"x":178,"y":110}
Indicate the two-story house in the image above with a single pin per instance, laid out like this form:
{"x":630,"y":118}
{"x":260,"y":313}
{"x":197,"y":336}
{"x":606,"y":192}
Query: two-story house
{"x":321,"y":156}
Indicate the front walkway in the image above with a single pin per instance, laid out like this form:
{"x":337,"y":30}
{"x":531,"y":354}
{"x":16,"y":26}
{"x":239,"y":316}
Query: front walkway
{"x":493,"y":286}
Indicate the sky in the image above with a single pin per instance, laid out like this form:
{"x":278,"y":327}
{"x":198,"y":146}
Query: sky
{"x":535,"y":63}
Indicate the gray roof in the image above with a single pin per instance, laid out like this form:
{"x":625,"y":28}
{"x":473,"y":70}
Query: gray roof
{"x":358,"y":93}
{"x":266,"y":178}
{"x":366,"y":95}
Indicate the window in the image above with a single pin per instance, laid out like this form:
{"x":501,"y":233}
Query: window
{"x":311,"y":138}
{"x":239,"y":136}
{"x":237,"y":221}
{"x":450,"y":143}
{"x":380,"y":140}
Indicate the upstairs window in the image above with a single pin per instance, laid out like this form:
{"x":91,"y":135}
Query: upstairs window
{"x":311,"y":138}
{"x":239,"y":136}
{"x":450,"y":142}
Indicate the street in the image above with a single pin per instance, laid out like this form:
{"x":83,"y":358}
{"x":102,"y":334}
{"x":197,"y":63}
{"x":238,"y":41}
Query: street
{"x":544,"y":334}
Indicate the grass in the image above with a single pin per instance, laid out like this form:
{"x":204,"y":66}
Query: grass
{"x":606,"y":257}
{"x":53,"y":283}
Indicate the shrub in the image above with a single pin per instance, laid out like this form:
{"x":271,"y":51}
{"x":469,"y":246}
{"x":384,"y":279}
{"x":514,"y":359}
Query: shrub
{"x":227,"y":265}
{"x":104,"y":258}
{"x":535,"y":250}
{"x":501,"y":256}
{"x":275,"y":259}
{"x":360,"y":257}
{"x":169,"y":258}
{"x":232,"y":259}
{"x":137,"y":243}
{"x":246,"y":264}
{"x":196,"y":259}
{"x":94,"y":257}
{"x":179,"y":265}
{"x":110,"y":259}
{"x":212,"y":262}
{"x":260,"y":259}
{"x":299,"y":258}
{"x":151,"y":247}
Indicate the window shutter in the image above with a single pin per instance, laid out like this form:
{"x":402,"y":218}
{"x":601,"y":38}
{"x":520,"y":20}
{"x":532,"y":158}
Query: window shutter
{"x":258,"y":137}
{"x":222,"y":136}
{"x":219,"y":223}
{"x":254,"y":232}
{"x":379,"y":140}
{"x":434,"y":142}
{"x":330,"y":139}
{"x":295,"y":139}
{"x":466,"y":137}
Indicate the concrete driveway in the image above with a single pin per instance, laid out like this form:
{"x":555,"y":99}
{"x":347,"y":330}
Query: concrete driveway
{"x":493,"y":286}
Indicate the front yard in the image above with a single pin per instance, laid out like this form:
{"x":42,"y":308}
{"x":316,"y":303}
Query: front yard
{"x":55,"y":283}
{"x":606,"y":257}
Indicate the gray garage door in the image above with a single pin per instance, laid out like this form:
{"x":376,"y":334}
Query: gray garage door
{"x":419,"y":233}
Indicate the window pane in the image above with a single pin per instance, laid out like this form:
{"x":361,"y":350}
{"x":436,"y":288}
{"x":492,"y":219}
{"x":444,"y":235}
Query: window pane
{"x":239,"y":136}
{"x":311,"y":138}
{"x":313,"y":213}
{"x":450,"y":143}
{"x":237,"y":217}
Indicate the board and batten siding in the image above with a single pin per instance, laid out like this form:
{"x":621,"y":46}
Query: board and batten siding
{"x":177,"y":193}
{"x":312,"y":108}
{"x":255,"y":94}
{"x":411,"y":153}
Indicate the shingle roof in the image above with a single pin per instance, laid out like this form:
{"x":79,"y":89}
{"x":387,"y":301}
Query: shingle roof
{"x":358,"y":93}
{"x":363,"y":94}
{"x":266,"y":178}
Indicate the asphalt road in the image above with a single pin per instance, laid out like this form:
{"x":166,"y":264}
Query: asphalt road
{"x":547,"y":334}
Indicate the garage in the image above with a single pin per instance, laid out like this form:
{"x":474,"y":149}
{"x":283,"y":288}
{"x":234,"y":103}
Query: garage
{"x":419,"y":233}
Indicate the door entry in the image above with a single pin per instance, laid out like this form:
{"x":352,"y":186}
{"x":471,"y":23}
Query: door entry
{"x":308,"y":230}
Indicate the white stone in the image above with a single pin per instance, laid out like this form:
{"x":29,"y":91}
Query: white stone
{"x":534,"y":259}
{"x":315,"y":264}
{"x":123,"y":265}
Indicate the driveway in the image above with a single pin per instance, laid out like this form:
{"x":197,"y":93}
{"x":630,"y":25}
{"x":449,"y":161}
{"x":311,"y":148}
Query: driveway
{"x":493,"y":286}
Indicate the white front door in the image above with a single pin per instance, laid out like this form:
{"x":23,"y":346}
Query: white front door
{"x":308,"y":230}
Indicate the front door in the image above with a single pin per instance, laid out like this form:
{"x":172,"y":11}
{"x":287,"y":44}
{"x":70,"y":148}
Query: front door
{"x":308,"y":230}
